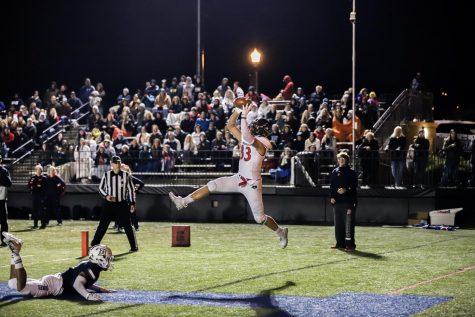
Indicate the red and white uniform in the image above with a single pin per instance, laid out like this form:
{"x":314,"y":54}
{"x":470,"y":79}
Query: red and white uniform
{"x":248,"y":181}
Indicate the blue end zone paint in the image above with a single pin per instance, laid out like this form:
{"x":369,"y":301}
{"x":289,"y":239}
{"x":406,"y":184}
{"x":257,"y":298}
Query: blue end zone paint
{"x":346,"y":304}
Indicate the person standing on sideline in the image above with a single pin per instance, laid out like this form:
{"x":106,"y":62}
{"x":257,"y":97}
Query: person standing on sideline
{"x":54,"y":189}
{"x":36,"y":184}
{"x":5,"y":181}
{"x":343,"y":183}
{"x":118,"y":191}
{"x":421,"y":158}
{"x":397,"y":153}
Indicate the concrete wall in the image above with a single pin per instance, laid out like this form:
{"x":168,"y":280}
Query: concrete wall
{"x":383,"y":207}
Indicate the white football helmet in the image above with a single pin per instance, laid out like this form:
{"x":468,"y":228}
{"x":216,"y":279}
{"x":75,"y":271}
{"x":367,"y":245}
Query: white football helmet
{"x":102,"y":256}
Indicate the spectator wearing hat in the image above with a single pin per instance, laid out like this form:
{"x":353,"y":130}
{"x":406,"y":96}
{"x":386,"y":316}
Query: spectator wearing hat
{"x":288,"y":90}
{"x":36,"y":184}
{"x":118,"y":191}
{"x":5,"y":182}
{"x":343,"y":184}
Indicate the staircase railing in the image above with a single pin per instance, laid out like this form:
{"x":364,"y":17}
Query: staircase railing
{"x":45,"y":137}
{"x":408,"y":105}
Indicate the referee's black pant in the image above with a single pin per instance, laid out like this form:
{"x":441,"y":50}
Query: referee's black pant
{"x":339,"y":210}
{"x":3,"y":218}
{"x":111,"y":211}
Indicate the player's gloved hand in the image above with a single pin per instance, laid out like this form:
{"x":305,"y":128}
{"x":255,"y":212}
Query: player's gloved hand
{"x":93,"y":297}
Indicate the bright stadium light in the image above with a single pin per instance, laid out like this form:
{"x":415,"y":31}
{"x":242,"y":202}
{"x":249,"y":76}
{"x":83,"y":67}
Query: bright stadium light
{"x":256,"y":59}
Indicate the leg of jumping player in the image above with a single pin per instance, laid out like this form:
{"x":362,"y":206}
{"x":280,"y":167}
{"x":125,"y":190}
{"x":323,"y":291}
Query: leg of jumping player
{"x":222,"y":184}
{"x":254,"y":199}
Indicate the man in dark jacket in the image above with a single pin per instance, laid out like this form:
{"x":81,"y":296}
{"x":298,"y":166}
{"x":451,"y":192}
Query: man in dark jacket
{"x":368,"y":152}
{"x":36,"y":184}
{"x":343,"y":183}
{"x":421,"y":158}
{"x":54,"y":189}
{"x":452,"y":149}
{"x":5,"y":181}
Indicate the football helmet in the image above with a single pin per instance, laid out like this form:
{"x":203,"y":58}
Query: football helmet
{"x":102,"y":256}
{"x":260,"y":127}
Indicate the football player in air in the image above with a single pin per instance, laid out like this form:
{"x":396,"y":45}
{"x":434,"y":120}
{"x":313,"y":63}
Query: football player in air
{"x":254,"y":145}
{"x":76,"y":280}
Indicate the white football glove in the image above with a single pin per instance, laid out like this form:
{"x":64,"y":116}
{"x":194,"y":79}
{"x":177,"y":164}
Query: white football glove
{"x":93,"y":297}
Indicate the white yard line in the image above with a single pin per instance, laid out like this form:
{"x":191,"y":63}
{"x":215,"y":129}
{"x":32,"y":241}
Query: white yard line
{"x":405,"y":288}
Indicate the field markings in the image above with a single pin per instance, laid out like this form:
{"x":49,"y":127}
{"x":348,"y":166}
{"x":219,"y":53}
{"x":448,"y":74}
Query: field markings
{"x":431,"y":280}
{"x":313,"y":266}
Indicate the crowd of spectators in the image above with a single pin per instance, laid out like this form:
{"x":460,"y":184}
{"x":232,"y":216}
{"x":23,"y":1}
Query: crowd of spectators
{"x":182,"y":122}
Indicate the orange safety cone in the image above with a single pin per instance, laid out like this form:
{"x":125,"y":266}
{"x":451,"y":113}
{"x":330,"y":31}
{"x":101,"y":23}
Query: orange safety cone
{"x":84,"y":243}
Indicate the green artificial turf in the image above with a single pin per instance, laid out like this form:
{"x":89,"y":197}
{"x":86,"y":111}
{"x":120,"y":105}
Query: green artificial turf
{"x":246,"y":258}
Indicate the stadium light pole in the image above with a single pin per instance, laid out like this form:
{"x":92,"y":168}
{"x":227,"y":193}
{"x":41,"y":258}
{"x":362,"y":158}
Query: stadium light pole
{"x":353,"y":82}
{"x":198,"y":39}
{"x":256,"y":59}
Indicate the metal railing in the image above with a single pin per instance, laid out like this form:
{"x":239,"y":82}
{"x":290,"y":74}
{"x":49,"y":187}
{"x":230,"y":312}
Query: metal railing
{"x":308,"y":169}
{"x":46,"y":136}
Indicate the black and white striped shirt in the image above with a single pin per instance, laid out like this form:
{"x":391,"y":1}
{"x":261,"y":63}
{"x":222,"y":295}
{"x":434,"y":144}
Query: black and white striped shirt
{"x":119,"y":186}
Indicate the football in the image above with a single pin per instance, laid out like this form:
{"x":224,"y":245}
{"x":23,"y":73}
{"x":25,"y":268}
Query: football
{"x":239,"y":102}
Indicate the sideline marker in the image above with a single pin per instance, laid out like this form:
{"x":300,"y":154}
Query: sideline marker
{"x":84,"y":243}
{"x":181,"y":236}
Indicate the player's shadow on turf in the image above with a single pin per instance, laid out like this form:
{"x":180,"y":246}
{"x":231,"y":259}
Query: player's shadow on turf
{"x":262,"y":304}
{"x":364,"y":254}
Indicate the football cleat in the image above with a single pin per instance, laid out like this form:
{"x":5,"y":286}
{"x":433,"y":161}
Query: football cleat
{"x":283,"y":238}
{"x":13,"y":242}
{"x":178,"y":201}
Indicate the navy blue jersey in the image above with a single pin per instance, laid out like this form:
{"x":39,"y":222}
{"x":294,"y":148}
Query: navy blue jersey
{"x":90,"y":271}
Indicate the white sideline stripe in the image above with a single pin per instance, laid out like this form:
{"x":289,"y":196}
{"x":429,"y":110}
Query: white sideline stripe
{"x":39,"y":262}
{"x":431,"y":280}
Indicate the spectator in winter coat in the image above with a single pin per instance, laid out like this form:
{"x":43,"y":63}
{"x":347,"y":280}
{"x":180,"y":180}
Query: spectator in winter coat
{"x":452,"y":149}
{"x":397,"y":153}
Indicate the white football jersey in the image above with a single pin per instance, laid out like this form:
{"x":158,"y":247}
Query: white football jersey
{"x":250,"y":162}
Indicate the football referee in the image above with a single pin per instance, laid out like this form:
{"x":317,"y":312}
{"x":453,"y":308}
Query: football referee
{"x":118,"y":191}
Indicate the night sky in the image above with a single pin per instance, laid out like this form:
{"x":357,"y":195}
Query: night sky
{"x":123,"y":43}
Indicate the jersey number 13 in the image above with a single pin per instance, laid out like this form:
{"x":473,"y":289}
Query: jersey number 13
{"x":245,"y":153}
